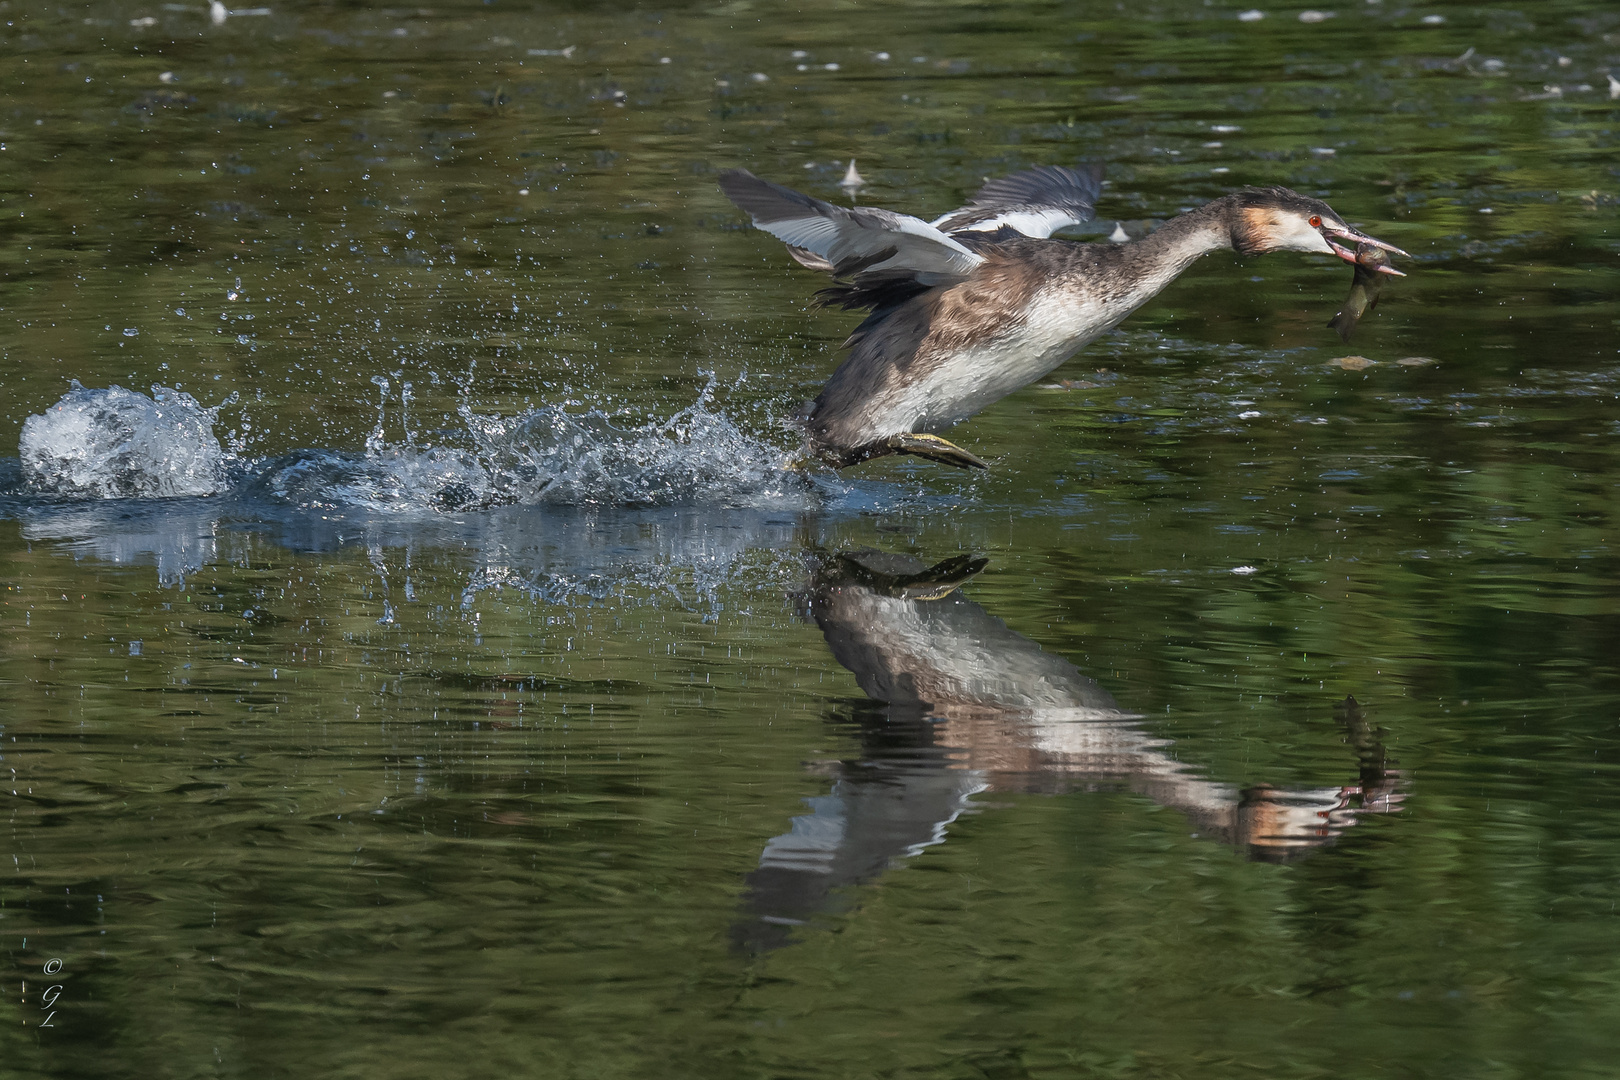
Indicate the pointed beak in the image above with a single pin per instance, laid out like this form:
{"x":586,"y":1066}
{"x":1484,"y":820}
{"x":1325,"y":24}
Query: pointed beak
{"x":1332,"y":234}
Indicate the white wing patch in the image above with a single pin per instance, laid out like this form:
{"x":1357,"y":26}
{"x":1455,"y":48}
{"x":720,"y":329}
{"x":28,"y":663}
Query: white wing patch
{"x":852,"y":241}
{"x":1037,"y":202}
{"x":1036,"y":222}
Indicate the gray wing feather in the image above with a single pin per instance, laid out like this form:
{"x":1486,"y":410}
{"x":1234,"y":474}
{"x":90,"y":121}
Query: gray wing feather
{"x":848,"y":240}
{"x":1036,"y":202}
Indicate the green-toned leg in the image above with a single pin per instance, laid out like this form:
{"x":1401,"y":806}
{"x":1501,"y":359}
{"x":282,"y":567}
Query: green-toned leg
{"x":937,"y":449}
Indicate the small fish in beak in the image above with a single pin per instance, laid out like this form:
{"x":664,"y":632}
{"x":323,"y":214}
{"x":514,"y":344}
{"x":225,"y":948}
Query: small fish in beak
{"x":1372,"y":263}
{"x":1334,"y":233}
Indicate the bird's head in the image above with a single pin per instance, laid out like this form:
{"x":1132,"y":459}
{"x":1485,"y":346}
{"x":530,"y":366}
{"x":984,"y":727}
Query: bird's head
{"x":1277,"y":219}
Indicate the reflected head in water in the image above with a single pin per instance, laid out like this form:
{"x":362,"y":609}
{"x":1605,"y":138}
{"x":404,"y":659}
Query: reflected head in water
{"x":967,"y":308}
{"x":963,"y":704}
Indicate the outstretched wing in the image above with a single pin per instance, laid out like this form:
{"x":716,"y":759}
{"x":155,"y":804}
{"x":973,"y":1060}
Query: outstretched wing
{"x":849,"y":241}
{"x":1037,"y":202}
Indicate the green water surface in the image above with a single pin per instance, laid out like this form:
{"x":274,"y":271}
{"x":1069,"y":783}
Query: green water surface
{"x":330,"y":791}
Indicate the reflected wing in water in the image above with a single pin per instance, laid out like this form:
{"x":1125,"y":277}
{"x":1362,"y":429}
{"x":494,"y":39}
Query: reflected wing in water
{"x":880,"y":808}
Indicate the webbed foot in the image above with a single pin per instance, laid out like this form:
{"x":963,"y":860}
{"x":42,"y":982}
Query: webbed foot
{"x":935,"y":448}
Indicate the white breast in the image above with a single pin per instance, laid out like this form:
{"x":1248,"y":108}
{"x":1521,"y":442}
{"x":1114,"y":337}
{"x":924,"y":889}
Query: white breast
{"x":1054,"y":329}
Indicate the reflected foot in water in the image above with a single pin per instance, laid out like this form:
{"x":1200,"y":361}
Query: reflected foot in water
{"x":963,"y":705}
{"x":889,"y":575}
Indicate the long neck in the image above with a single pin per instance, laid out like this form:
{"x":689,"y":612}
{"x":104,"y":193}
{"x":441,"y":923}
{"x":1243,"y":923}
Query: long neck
{"x":1163,"y":255}
{"x":1112,"y":280}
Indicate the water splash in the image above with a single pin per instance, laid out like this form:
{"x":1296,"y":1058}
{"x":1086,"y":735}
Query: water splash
{"x":577,"y":506}
{"x":548,"y":456}
{"x":389,"y":480}
{"x":118,"y":444}
{"x":115,"y":443}
{"x":696,"y":457}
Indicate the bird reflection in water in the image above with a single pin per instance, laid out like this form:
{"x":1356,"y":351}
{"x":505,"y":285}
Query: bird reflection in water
{"x":970,"y":706}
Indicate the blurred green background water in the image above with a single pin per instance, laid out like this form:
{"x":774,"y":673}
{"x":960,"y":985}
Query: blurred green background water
{"x":330,"y":791}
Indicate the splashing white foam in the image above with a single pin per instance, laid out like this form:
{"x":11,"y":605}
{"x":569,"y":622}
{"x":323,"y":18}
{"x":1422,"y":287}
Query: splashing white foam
{"x":118,"y":444}
{"x":696,"y":457}
{"x":549,"y":457}
{"x":386,"y":479}
{"x":115,"y":443}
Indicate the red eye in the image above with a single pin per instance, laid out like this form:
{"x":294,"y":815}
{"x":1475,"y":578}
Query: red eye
{"x":1316,"y":222}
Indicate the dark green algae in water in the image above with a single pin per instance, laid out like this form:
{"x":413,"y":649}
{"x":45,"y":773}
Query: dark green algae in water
{"x":662,"y":771}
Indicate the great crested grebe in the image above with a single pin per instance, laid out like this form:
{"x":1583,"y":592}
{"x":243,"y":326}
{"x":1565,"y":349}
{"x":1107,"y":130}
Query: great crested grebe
{"x":968,"y":308}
